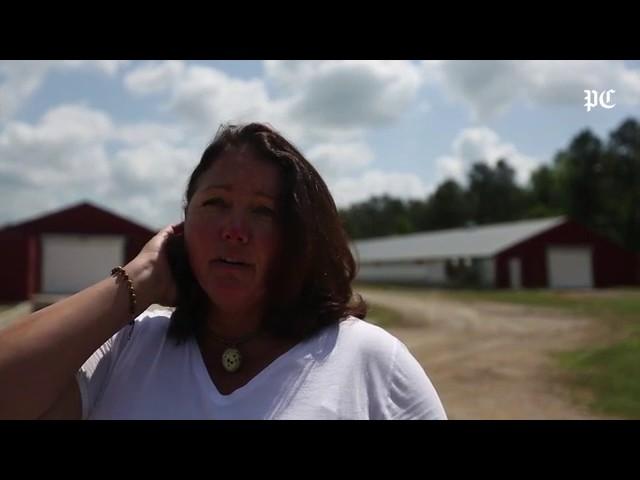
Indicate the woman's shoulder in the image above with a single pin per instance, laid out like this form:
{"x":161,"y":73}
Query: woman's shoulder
{"x":361,"y":328}
{"x":152,"y":324}
{"x":367,"y":337}
{"x":401,"y":380}
{"x":160,"y":314}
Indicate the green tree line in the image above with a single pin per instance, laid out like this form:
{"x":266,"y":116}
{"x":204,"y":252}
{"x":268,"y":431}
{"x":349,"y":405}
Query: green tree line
{"x":595,"y":182}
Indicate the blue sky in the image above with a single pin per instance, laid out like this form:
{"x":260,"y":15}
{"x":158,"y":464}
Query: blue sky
{"x":126,"y":134}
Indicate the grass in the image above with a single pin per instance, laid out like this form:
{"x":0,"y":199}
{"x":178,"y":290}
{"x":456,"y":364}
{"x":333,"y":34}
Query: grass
{"x":622,"y":304}
{"x":383,"y":316}
{"x":611,"y":374}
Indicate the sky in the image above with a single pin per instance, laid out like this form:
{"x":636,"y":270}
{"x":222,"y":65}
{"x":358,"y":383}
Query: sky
{"x":125,"y":135}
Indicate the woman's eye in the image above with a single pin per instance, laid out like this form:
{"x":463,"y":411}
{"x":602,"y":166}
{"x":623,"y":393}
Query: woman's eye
{"x":264,"y":211}
{"x":214,"y":201}
{"x":218,"y":202}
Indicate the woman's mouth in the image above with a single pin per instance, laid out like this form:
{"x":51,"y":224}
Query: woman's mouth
{"x":232,"y":263}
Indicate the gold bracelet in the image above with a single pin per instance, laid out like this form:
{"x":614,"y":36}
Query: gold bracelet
{"x":120,"y":272}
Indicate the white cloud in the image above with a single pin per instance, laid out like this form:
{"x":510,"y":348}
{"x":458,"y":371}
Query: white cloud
{"x":69,"y":138}
{"x":489,"y":88}
{"x":21,"y":204}
{"x":108,"y":67}
{"x":75,"y":123}
{"x":141,"y":133}
{"x":325,"y":108}
{"x":20,"y":79}
{"x":452,"y":167}
{"x":204,"y":97}
{"x":482,"y":144}
{"x":157,"y":165}
{"x":346,"y":93}
{"x":348,"y":190}
{"x":333,"y":159}
{"x":319,"y":101}
{"x":153,"y":211}
{"x":211,"y":97}
{"x":154,"y":77}
{"x":74,"y":152}
{"x":287,"y":75}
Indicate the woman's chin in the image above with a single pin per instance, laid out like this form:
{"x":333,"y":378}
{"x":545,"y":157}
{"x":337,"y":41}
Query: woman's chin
{"x":231,"y":297}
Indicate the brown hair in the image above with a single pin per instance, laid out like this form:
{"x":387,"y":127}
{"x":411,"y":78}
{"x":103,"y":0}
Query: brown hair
{"x":312,"y":286}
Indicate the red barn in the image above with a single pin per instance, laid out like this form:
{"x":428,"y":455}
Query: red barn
{"x":567,"y":255}
{"x":544,"y":253}
{"x":65,"y":251}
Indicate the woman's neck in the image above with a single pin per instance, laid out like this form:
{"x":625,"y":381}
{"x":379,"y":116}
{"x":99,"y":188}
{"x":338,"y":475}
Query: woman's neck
{"x":234,"y":324}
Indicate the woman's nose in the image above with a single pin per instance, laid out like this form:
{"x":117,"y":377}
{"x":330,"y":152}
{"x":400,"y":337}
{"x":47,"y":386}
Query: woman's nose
{"x":236,"y":230}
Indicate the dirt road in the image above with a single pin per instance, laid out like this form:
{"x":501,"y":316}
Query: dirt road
{"x":493,"y":361}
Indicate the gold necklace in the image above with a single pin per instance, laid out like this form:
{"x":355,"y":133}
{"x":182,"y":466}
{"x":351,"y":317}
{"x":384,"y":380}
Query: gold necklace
{"x":232,"y":357}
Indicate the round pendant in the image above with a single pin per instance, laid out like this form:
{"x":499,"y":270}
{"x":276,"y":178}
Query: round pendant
{"x":231,"y":359}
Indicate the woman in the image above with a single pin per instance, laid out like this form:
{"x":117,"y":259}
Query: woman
{"x":265,"y":324}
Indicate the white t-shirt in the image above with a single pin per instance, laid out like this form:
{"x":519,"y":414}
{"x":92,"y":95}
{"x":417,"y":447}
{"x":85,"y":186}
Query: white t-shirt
{"x":350,"y":370}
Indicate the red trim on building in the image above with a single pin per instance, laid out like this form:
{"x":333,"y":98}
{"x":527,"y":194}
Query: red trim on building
{"x":21,"y":244}
{"x":612,"y":265}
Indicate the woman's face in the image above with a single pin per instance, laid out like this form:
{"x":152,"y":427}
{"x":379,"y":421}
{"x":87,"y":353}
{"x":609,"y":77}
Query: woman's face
{"x":231,"y":229}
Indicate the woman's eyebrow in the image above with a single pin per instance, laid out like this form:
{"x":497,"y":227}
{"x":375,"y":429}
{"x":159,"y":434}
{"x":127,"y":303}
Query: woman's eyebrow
{"x":229,"y":188}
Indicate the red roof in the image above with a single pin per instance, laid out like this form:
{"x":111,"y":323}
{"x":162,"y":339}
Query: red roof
{"x":81,"y":218}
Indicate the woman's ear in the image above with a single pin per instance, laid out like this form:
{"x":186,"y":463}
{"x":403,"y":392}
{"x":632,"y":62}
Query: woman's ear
{"x":178,"y":228}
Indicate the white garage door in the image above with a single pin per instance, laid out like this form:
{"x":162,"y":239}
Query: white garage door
{"x":71,"y":263}
{"x":569,"y":267}
{"x":515,"y":273}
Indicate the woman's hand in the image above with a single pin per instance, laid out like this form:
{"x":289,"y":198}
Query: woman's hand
{"x":150,"y":271}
